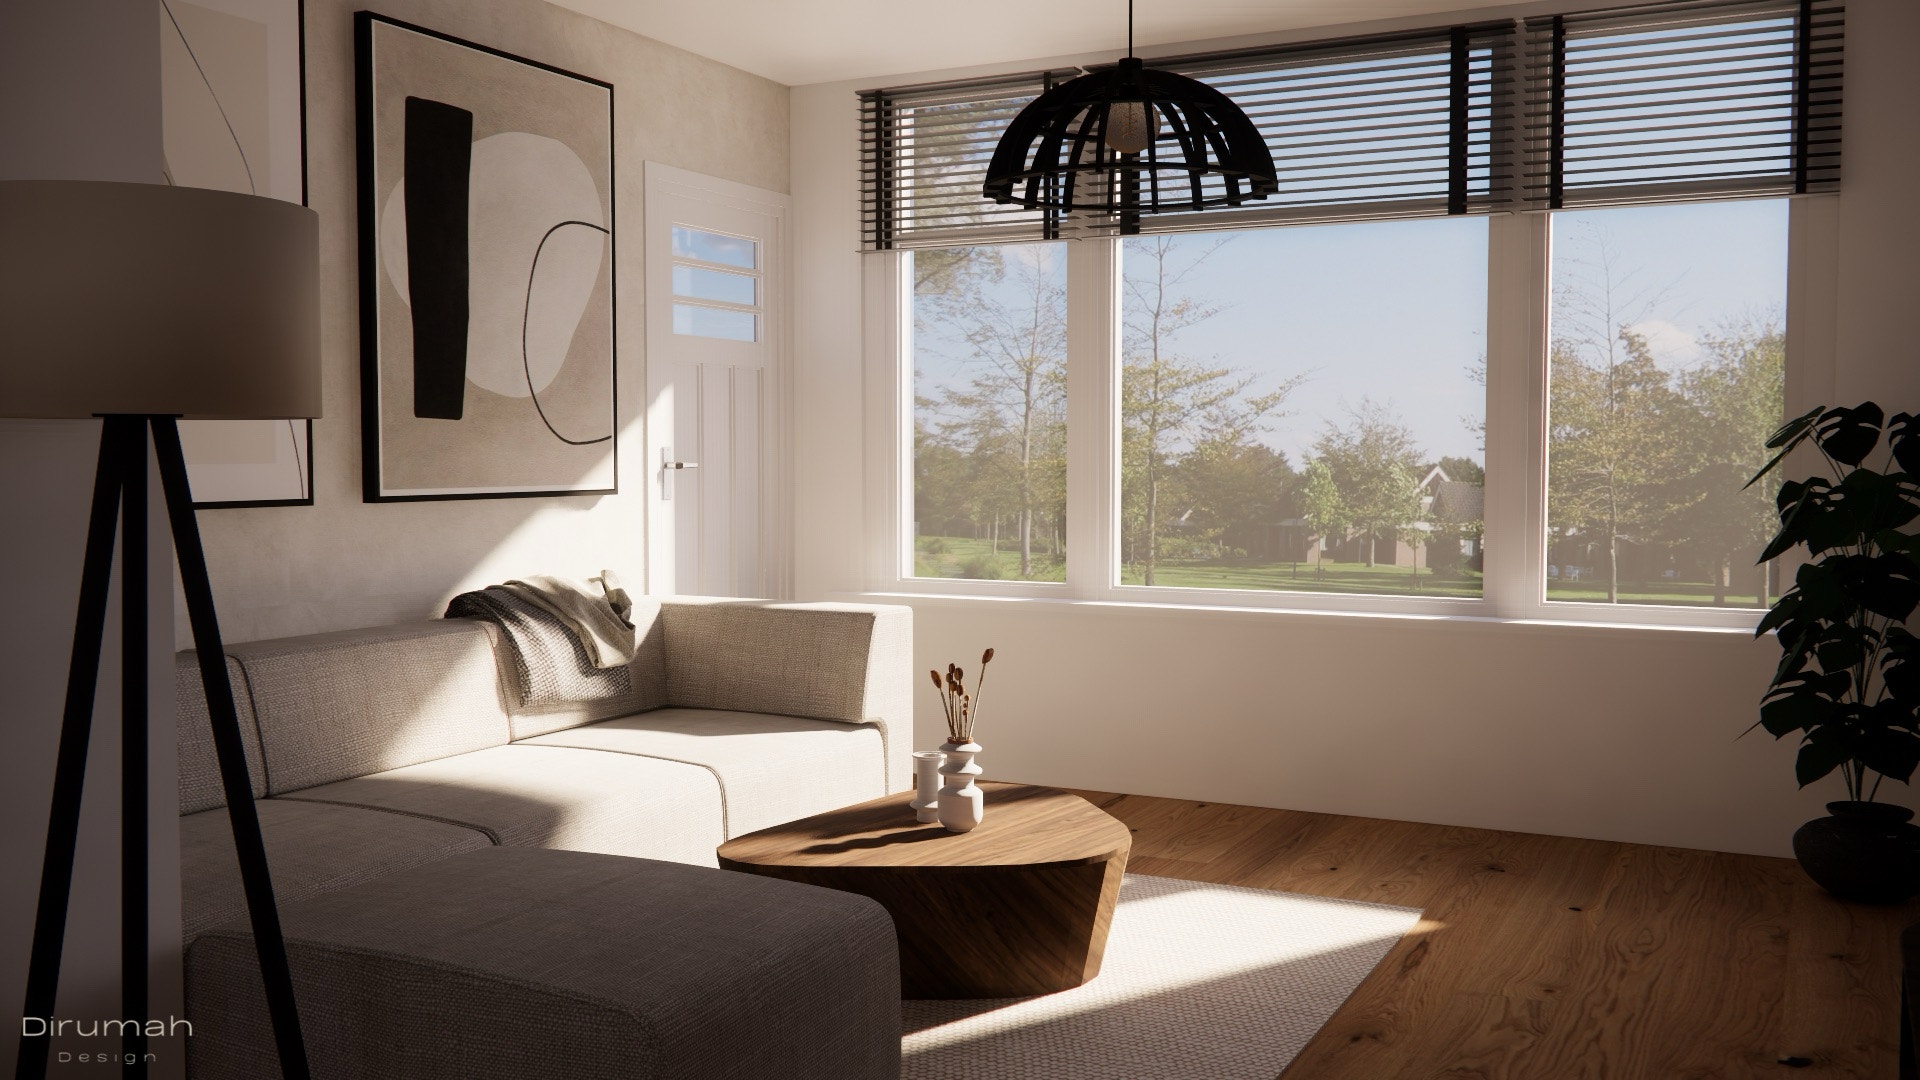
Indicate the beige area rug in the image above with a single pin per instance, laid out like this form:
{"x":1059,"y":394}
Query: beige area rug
{"x":1200,"y":982}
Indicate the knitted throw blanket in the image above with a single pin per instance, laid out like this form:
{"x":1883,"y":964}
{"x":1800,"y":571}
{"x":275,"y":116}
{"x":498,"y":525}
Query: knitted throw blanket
{"x":551,"y":663}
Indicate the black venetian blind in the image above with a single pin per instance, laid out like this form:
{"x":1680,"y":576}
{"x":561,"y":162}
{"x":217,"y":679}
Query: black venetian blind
{"x":1686,"y":99}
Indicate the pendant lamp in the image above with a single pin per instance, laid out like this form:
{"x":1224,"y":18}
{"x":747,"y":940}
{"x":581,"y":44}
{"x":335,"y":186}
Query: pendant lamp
{"x":1130,"y":140}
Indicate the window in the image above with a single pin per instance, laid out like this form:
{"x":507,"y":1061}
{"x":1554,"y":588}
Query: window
{"x":1666,"y":374}
{"x":1281,"y":429}
{"x":989,"y":414}
{"x":716,"y":285}
{"x":1366,"y":393}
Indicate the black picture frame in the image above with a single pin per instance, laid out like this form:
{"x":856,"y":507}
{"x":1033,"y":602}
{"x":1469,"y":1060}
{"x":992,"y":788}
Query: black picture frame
{"x":206,"y":73}
{"x":432,"y":131}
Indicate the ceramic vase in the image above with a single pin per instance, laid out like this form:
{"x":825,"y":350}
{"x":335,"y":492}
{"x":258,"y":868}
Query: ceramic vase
{"x":960,"y":806}
{"x":926,"y":784}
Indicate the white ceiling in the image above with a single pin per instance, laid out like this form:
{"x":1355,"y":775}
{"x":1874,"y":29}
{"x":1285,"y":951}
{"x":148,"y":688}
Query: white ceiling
{"x":809,"y":41}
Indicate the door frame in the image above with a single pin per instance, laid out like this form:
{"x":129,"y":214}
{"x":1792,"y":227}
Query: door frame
{"x":665,"y":185}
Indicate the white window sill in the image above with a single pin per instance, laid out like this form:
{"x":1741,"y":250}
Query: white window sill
{"x":1154,"y":608}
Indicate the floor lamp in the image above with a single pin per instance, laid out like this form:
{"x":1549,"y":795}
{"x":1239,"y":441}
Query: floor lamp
{"x":139,"y":303}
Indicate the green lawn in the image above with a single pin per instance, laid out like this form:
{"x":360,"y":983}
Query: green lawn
{"x":962,"y":557}
{"x":1683,"y":593}
{"x":1336,"y":577}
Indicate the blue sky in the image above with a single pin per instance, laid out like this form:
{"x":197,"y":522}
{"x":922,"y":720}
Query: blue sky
{"x":1396,"y":311}
{"x":1392,"y":310}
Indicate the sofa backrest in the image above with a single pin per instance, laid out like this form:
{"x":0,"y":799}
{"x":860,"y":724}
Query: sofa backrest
{"x":340,"y":705}
{"x":648,"y":676}
{"x":200,"y":785}
{"x":327,"y":707}
{"x":850,"y":662}
{"x":824,"y":661}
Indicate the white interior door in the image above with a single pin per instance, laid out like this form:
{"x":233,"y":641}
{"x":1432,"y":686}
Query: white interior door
{"x":716,"y":419}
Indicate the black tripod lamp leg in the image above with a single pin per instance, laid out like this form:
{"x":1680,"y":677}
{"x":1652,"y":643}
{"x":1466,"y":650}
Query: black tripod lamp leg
{"x":70,"y":767}
{"x":134,"y":870}
{"x":247,"y":840}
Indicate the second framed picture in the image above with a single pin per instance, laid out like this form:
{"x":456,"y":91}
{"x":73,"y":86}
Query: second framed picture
{"x":486,"y":271}
{"x":233,"y":118}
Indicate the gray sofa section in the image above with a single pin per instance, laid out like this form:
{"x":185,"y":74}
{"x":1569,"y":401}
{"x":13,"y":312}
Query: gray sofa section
{"x":313,"y":848}
{"x":333,"y":706}
{"x":529,"y":964}
{"x":200,"y":785}
{"x":374,"y":751}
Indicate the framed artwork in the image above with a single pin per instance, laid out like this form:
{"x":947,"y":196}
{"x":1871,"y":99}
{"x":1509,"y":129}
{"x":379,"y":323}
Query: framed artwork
{"x":233,"y":118}
{"x":486,"y":271}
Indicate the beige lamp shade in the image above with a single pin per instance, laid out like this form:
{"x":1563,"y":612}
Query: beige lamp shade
{"x":146,"y":299}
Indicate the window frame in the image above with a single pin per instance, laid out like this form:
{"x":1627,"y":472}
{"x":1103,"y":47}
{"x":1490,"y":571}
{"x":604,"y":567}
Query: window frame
{"x":1519,"y":260}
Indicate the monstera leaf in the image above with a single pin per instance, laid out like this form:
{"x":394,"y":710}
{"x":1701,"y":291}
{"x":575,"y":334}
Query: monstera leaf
{"x":1903,"y":436}
{"x":1849,"y":435}
{"x":1900,"y":667}
{"x":1848,"y":681}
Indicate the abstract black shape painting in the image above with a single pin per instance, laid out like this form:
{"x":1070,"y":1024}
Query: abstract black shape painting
{"x":486,"y":271}
{"x":439,"y":141}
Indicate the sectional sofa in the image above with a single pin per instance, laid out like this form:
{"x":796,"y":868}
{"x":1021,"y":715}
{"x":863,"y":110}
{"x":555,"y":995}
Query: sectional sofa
{"x":375,"y":752}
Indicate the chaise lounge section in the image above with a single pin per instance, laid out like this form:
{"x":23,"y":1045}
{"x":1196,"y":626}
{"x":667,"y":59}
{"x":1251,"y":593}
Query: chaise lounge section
{"x":380,"y":751}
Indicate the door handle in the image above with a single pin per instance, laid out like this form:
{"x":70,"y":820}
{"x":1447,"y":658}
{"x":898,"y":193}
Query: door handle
{"x":668,"y":467}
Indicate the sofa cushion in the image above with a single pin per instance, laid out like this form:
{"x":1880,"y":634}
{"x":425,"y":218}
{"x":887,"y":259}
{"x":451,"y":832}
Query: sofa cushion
{"x":823,"y":661}
{"x":554,"y":797}
{"x":331,"y":706}
{"x":647,"y":674}
{"x":311,"y":848}
{"x":564,"y":965}
{"x":772,"y":769}
{"x":812,"y":660}
{"x":200,"y":786}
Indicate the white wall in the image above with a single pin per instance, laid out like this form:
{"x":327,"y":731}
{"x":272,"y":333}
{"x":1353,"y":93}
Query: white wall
{"x":79,"y":84}
{"x":1607,"y":732}
{"x":344,"y":563}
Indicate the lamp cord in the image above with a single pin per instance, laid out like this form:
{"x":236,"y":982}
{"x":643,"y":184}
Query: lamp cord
{"x":1129,"y":27}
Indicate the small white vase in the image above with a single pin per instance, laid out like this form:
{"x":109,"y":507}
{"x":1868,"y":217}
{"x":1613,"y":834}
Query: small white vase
{"x":926,"y":784}
{"x":960,"y":806}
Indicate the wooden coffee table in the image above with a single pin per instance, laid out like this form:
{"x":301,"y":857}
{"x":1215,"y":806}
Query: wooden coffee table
{"x":1018,"y":906}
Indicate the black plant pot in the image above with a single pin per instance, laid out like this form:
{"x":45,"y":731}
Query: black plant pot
{"x":1862,"y":851}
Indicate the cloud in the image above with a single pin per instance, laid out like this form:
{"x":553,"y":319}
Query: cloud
{"x":1672,"y":346}
{"x":1038,"y":256}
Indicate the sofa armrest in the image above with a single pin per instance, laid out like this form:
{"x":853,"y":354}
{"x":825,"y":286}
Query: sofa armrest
{"x":846,"y":662}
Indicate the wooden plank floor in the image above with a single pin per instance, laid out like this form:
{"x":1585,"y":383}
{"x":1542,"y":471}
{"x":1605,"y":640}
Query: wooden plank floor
{"x":1548,"y":958}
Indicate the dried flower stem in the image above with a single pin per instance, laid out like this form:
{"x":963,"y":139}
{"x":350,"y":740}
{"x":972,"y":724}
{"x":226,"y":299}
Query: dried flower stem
{"x":985,"y":659}
{"x":960,"y":706}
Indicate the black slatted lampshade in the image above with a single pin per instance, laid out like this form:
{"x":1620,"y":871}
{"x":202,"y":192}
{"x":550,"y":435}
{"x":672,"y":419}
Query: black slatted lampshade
{"x":1130,"y":140}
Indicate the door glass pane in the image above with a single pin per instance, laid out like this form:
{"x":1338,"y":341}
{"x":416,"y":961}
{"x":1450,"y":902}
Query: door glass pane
{"x":715,"y":247}
{"x":990,"y":412}
{"x":1303,"y":408}
{"x":1666,"y":372}
{"x":695,"y":283}
{"x":695,"y":321}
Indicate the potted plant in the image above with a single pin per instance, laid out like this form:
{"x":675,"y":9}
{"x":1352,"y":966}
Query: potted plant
{"x":1849,"y":676}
